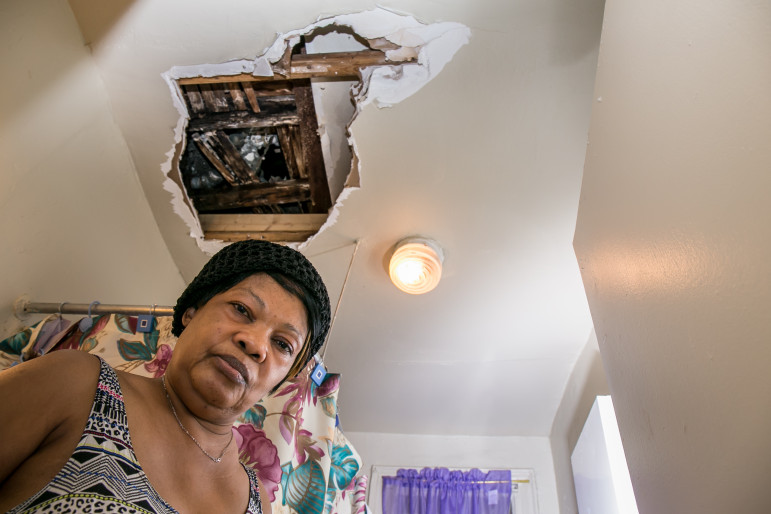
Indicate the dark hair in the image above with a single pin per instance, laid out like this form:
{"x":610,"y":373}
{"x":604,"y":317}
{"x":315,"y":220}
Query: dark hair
{"x":288,"y":267}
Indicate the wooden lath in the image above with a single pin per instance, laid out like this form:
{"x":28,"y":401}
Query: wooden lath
{"x":233,"y":95}
{"x":254,"y":195}
{"x":313,"y":157}
{"x":242,"y":119}
{"x":269,"y":227}
{"x":214,"y":97}
{"x":289,"y":138}
{"x":228,"y":155}
{"x":306,"y":66}
{"x":239,"y":97}
{"x":204,"y":146}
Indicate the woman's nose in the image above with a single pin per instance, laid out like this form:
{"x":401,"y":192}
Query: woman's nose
{"x":254,"y":342}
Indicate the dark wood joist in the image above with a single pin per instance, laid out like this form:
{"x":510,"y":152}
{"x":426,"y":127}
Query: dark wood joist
{"x":251,"y":95}
{"x":313,"y":158}
{"x":204,"y":145}
{"x":268,"y":209}
{"x":214,"y":97}
{"x":237,"y":96}
{"x":194,"y":99}
{"x":291,"y":147}
{"x":273,"y":88}
{"x":337,"y":64}
{"x":269,"y":104}
{"x":224,"y":148}
{"x":288,"y":191}
{"x":221,"y":97}
{"x":242,"y":119}
{"x":302,"y":66}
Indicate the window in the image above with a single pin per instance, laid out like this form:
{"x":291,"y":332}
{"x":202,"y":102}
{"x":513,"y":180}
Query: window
{"x":600,"y":471}
{"x":523,"y":497}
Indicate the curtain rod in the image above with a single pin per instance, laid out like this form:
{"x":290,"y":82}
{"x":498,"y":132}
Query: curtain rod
{"x":23,"y":307}
{"x":513,"y":481}
{"x":96,"y":308}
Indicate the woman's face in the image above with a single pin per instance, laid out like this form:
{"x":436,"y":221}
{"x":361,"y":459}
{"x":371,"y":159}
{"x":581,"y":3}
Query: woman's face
{"x":237,"y":347}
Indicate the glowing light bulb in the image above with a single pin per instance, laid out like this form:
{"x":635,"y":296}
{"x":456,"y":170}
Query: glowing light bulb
{"x":416,"y":265}
{"x":409,"y":272}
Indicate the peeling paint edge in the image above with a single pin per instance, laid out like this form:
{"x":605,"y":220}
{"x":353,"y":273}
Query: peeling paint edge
{"x":180,"y":201}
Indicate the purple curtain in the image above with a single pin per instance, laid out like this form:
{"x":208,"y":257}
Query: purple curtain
{"x":441,"y":491}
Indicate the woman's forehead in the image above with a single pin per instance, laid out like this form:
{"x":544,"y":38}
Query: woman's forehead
{"x":267,"y":292}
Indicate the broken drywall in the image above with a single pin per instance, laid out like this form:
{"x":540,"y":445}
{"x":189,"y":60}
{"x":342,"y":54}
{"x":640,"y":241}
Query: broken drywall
{"x":433,"y":45}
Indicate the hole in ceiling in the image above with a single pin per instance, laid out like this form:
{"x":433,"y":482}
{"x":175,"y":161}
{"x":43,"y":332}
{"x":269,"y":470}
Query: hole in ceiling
{"x":264,"y":149}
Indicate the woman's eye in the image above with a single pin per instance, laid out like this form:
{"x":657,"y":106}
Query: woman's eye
{"x":284,"y":346}
{"x":241,"y":309}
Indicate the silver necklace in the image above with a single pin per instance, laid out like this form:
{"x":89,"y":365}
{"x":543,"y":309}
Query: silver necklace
{"x":174,"y":411}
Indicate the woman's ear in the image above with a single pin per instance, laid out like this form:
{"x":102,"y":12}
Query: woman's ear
{"x":187,"y":316}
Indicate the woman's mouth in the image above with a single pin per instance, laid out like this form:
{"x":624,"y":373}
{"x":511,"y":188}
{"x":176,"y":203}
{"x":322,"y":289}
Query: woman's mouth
{"x":233,"y":369}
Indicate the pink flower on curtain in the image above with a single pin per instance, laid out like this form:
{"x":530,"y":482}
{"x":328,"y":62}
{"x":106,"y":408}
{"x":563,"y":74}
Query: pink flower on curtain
{"x":258,"y":451}
{"x":305,"y":447}
{"x":360,"y":495}
{"x":330,"y":385}
{"x":158,"y":365}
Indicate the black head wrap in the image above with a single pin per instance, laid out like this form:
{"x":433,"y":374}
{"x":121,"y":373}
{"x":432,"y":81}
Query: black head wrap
{"x":245,"y":258}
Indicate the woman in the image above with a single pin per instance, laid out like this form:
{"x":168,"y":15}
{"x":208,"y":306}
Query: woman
{"x":253,"y":317}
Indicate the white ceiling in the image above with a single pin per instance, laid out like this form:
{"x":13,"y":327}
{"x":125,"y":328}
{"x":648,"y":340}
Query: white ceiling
{"x":486,"y":159}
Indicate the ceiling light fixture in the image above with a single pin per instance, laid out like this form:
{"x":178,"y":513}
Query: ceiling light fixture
{"x":416,"y":265}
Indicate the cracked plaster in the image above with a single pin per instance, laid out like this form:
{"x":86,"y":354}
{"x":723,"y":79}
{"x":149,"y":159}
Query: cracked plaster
{"x":434,"y":45}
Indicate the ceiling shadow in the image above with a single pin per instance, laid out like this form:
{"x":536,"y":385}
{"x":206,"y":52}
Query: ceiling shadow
{"x":97,"y":17}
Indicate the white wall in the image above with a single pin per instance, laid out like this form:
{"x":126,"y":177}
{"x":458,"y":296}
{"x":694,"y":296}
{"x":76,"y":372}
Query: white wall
{"x":586,"y":382}
{"x":74,"y":222}
{"x":601,"y":474}
{"x":674,"y":245}
{"x":462,"y":452}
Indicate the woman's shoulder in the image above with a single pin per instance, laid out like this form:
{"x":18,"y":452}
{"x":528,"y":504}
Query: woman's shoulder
{"x":53,"y":383}
{"x":74,"y":367}
{"x":70,"y":360}
{"x":44,"y":403}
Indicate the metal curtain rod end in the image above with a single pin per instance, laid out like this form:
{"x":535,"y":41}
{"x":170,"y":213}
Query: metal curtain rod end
{"x":20,"y":307}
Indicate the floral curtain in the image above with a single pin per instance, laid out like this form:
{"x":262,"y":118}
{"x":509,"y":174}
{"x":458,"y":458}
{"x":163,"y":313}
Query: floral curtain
{"x":441,"y":491}
{"x":292,"y":438}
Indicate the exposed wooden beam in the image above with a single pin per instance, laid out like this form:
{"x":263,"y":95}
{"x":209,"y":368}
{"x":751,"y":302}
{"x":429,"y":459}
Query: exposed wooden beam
{"x":252,"y":96}
{"x":214,"y":97}
{"x":270,"y":227}
{"x":242,"y":119}
{"x":313,"y":158}
{"x":337,"y":64}
{"x":291,"y":147}
{"x":225,"y":149}
{"x":237,"y":95}
{"x":195,"y":99}
{"x":276,"y":103}
{"x":253,"y":195}
{"x":262,"y":222}
{"x":206,"y":149}
{"x":273,"y":88}
{"x":273,"y":236}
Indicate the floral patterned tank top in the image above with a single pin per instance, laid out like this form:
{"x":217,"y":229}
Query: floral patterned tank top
{"x":103,"y":474}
